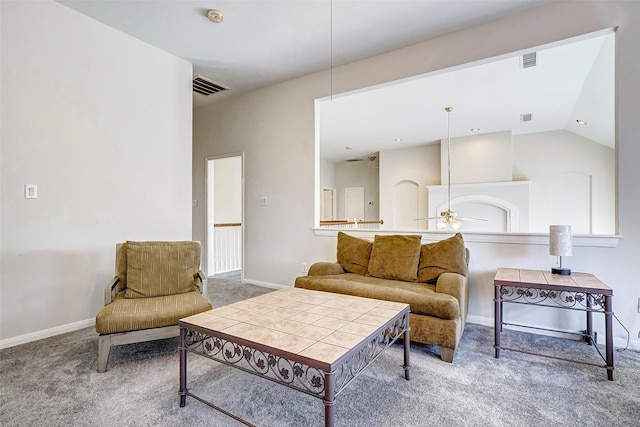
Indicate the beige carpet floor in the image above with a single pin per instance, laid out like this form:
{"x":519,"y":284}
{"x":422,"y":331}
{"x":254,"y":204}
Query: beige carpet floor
{"x":53,"y":382}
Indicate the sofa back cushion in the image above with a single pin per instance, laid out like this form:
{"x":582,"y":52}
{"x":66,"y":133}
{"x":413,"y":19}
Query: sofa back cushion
{"x":395,"y":257}
{"x":160,"y":268}
{"x":445,"y":256}
{"x":353,"y":253}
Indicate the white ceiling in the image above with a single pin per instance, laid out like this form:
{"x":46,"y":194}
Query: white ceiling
{"x":264,"y":42}
{"x":571,"y":81}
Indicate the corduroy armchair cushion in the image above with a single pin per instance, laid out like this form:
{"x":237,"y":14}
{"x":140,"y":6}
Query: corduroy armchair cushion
{"x":123,"y":314}
{"x":160,"y":268}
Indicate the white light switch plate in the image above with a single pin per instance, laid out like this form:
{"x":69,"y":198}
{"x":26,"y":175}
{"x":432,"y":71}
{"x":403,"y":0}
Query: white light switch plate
{"x":30,"y":191}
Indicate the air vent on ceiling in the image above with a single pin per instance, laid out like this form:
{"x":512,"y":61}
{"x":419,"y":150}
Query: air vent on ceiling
{"x":529,"y":60}
{"x":205,"y":86}
{"x":526,"y":117}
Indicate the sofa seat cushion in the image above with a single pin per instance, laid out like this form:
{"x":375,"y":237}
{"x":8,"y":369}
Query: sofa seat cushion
{"x":422,"y":297}
{"x":127,"y":314}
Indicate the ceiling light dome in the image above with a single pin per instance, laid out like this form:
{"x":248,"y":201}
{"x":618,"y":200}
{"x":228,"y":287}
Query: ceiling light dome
{"x":215,"y":15}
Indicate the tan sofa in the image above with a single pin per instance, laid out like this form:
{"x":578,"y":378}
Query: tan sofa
{"x":433,"y":280}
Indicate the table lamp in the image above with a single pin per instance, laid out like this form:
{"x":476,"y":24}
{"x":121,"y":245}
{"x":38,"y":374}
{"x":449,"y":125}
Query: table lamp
{"x":560,"y":244}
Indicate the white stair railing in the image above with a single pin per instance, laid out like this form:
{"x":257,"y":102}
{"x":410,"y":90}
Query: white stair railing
{"x":226,"y":253}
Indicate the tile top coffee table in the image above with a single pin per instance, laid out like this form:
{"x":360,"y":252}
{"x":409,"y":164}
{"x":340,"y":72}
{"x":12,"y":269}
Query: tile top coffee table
{"x":312,"y":341}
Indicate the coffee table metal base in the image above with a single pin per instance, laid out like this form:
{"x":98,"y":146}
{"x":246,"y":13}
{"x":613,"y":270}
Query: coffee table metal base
{"x":297,"y":372}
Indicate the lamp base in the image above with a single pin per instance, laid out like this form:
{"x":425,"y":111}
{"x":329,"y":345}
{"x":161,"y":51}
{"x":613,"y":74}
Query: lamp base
{"x":561,"y":271}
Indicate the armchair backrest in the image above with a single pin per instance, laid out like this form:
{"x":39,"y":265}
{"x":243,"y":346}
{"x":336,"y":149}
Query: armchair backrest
{"x":157,"y":268}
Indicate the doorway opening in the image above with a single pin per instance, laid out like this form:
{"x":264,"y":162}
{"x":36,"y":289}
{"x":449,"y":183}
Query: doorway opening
{"x":354,"y":203}
{"x":328,"y":204}
{"x":225,"y":214}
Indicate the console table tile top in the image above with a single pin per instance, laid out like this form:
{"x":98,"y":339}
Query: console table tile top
{"x":312,"y":341}
{"x":578,"y":291}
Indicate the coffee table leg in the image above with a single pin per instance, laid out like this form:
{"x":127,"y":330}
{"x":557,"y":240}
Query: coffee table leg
{"x":406,"y":342}
{"x":183,"y":369}
{"x":329,"y":399}
{"x":498,"y":320}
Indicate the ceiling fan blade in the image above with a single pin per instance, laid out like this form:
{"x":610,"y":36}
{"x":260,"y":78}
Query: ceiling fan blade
{"x":470,"y":219}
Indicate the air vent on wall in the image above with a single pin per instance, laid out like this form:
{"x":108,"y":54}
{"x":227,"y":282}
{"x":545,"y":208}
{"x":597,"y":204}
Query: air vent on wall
{"x":529,"y":60}
{"x":353,"y":160}
{"x":526,"y":117}
{"x":205,"y":86}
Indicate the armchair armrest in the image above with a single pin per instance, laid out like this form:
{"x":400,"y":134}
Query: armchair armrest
{"x":201,"y":281}
{"x":110,"y":291}
{"x":325,"y":269}
{"x":456,"y":285}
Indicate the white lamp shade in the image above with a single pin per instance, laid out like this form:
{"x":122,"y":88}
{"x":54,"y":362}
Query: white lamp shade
{"x":560,"y":240}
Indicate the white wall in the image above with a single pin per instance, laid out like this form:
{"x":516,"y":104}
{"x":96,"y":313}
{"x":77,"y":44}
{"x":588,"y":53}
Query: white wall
{"x":327,"y":173}
{"x":492,"y":152}
{"x":544,"y":157}
{"x":358,"y":174}
{"x":279,"y":149}
{"x":101,"y":122}
{"x":418,"y":164}
{"x":226,"y":191}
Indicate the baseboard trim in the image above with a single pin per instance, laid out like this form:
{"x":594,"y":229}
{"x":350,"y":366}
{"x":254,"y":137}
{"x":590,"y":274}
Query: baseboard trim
{"x":618,"y":343}
{"x":46,"y":333}
{"x":265,"y":284}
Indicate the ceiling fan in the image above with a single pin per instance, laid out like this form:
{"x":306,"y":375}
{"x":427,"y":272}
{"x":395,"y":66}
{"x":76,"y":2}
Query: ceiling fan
{"x":449,"y":219}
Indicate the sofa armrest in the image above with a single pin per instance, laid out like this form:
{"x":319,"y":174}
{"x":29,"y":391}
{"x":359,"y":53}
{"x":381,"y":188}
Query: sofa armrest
{"x":201,"y":281}
{"x":325,"y":269}
{"x":110,"y":291}
{"x":457,"y":286}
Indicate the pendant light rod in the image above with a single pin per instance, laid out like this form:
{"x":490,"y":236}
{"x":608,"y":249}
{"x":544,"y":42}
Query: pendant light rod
{"x":448,"y":110}
{"x":331,"y":48}
{"x":448,"y":219}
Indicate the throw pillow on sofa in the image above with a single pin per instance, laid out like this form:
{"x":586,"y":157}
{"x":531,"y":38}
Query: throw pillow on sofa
{"x":395,"y":257}
{"x":445,"y":256}
{"x":353,"y":253}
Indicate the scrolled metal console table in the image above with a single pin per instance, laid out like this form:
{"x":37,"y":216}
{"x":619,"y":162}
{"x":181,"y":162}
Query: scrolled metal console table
{"x":578,"y":291}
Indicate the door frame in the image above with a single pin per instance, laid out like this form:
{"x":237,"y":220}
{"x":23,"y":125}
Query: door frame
{"x":242,"y":207}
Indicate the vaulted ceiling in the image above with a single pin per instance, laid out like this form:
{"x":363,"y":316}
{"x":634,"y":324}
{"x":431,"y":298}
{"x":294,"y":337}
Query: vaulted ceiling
{"x":264,"y":42}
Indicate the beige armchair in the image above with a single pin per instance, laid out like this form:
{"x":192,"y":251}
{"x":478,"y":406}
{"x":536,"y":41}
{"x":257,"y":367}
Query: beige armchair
{"x":156,"y":284}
